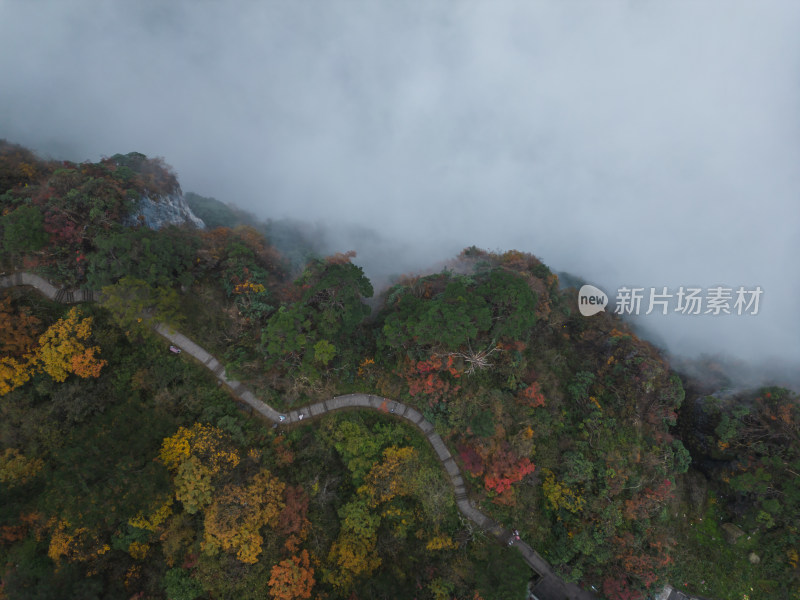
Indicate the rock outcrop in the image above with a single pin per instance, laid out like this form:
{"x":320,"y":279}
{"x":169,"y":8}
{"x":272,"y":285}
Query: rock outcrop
{"x":160,"y":211}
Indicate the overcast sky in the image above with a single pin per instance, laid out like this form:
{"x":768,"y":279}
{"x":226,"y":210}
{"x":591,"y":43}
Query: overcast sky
{"x":632,"y":143}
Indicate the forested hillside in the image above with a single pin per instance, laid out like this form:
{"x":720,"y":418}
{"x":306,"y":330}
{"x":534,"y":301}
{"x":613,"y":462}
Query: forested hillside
{"x":126,"y":472}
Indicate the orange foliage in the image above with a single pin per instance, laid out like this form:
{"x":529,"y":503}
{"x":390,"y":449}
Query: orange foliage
{"x":247,"y":286}
{"x":498,"y":464}
{"x":267,"y":255}
{"x":292,"y":578}
{"x":365,"y":365}
{"x":86,"y":365}
{"x":293,"y":520}
{"x":643,"y":564}
{"x":532,"y":396}
{"x":14,"y":533}
{"x":214,"y":242}
{"x":515,"y":345}
{"x":283,"y":453}
{"x":426,"y":377}
{"x":516,"y":260}
{"x":18,"y":329}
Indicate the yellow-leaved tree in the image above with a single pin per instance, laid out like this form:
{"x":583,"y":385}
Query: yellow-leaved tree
{"x":208,"y":443}
{"x":559,"y":495}
{"x":62,"y":350}
{"x":195,"y":456}
{"x":13,"y":373}
{"x":73,"y":544}
{"x":394,"y":476}
{"x":235,"y":518}
{"x":18,"y":332}
{"x":16,"y":468}
{"x":155,"y":518}
{"x":193,"y":485}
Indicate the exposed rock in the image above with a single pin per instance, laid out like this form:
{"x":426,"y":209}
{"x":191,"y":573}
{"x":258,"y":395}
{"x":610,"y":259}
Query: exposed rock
{"x":754,"y":558}
{"x":160,"y":211}
{"x":731,"y":532}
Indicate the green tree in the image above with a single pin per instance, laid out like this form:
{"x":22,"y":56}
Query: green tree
{"x":450,"y":315}
{"x":500,"y":575}
{"x":324,"y":322}
{"x":136,"y":305}
{"x":161,"y":258}
{"x":286,"y":335}
{"x":512,"y":302}
{"x":179,"y":585}
{"x":361,"y":447}
{"x":354,"y":554}
{"x":23,"y":230}
{"x":324,"y":351}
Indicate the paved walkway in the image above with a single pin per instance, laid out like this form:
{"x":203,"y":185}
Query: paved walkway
{"x":549,"y":586}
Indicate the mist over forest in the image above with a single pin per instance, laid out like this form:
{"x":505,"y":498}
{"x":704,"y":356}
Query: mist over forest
{"x":319,"y":300}
{"x":643,"y":144}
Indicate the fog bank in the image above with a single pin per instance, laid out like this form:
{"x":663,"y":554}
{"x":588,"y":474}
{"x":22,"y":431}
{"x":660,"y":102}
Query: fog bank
{"x":635,"y":144}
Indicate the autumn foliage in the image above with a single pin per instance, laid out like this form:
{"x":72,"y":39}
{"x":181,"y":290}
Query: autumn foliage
{"x":208,"y":443}
{"x":433,"y":378}
{"x":292,"y":579}
{"x":393,"y":476}
{"x":497,"y":463}
{"x":196,"y":455}
{"x":73,"y":544}
{"x":293,"y":519}
{"x":18,"y":329}
{"x":649,"y":501}
{"x":532,"y":396}
{"x":16,"y":468}
{"x":239,"y":511}
{"x":492,"y":353}
{"x":61,"y":351}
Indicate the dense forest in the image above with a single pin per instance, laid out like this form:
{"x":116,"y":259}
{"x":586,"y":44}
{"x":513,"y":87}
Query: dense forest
{"x":127,"y":472}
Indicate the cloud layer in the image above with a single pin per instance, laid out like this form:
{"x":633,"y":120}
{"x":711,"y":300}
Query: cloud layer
{"x":650,"y":144}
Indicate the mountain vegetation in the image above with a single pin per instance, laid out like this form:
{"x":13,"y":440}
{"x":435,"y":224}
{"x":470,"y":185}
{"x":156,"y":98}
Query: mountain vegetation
{"x":126,"y":472}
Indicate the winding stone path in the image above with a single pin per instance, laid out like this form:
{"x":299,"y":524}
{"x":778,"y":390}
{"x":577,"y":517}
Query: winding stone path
{"x":548,"y":587}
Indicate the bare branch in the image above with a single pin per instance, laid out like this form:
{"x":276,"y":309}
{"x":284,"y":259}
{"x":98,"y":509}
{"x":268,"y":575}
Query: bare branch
{"x":477,"y":361}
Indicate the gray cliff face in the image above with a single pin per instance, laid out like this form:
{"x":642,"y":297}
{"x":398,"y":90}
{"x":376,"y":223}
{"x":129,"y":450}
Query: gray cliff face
{"x":160,"y":211}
